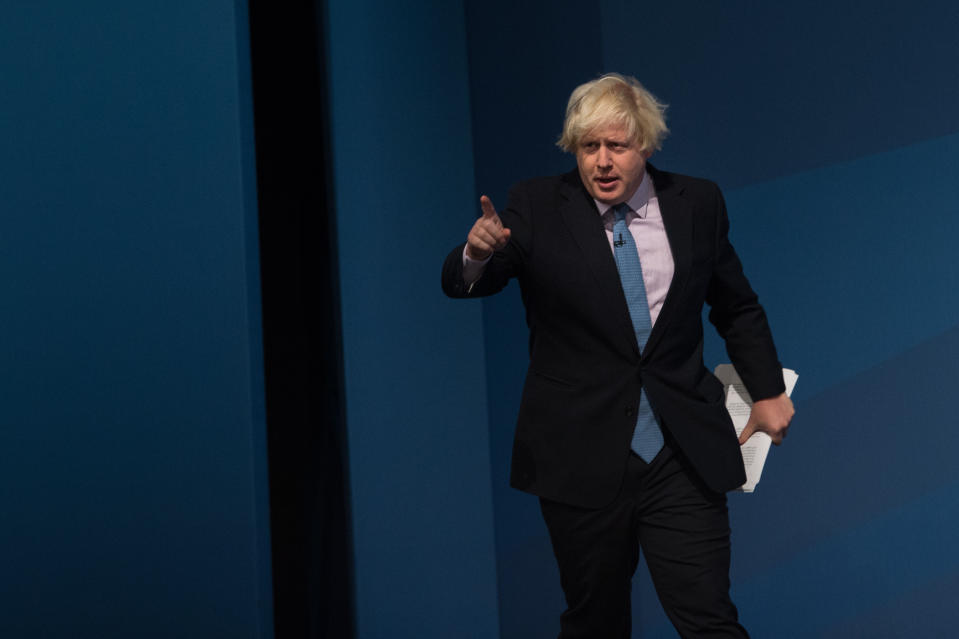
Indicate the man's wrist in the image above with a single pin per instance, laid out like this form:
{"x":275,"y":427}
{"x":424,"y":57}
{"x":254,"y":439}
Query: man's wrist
{"x":470,"y":253}
{"x":473,"y":268}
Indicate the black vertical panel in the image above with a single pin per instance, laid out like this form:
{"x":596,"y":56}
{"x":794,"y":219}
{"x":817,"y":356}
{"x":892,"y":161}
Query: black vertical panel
{"x":312,"y":570}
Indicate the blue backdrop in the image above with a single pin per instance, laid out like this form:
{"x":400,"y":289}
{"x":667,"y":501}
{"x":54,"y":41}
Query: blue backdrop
{"x":132,"y":461}
{"x":415,"y":391}
{"x":133,"y":483}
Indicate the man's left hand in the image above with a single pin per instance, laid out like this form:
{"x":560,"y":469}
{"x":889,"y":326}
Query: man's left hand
{"x":771,"y":416}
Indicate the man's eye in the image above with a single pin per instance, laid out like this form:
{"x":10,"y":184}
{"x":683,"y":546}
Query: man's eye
{"x":590,"y":146}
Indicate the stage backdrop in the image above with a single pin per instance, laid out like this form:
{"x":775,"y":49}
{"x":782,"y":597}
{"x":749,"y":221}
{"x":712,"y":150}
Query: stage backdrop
{"x":416,"y":401}
{"x":833,"y":130}
{"x":132,"y":478}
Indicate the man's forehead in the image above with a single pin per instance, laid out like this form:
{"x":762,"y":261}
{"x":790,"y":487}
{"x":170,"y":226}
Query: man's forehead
{"x":608,"y":131}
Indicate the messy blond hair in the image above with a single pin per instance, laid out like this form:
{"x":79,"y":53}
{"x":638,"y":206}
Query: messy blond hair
{"x":614,"y":99}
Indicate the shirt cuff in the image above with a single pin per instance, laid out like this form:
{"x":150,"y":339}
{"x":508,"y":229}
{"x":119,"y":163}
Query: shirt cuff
{"x":473,"y":269}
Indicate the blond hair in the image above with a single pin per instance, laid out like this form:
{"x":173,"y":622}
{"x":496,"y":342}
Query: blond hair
{"x":614,"y":99}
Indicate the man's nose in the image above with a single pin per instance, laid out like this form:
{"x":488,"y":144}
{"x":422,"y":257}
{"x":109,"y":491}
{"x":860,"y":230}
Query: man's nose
{"x":603,"y":158}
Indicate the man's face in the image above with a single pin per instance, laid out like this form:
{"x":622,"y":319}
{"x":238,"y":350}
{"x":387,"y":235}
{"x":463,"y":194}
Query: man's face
{"x":610,"y":163}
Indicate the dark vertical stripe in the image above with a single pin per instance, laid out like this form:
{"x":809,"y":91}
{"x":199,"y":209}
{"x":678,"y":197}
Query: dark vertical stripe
{"x":313,"y":586}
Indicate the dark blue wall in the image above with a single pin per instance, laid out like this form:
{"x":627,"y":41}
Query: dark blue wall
{"x":415,"y":385}
{"x":133,"y":456}
{"x":133,"y":463}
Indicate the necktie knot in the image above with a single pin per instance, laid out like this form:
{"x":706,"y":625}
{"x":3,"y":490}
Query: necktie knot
{"x":620,"y":211}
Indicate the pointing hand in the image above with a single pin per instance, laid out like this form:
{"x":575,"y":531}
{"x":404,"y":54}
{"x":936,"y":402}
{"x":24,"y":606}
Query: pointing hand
{"x":488,"y":234}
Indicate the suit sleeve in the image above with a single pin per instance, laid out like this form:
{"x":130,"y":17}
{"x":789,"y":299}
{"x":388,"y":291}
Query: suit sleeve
{"x":505,"y":264}
{"x":740,"y":319}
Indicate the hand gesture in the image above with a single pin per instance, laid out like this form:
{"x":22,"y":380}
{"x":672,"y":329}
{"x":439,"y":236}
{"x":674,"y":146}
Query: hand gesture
{"x":771,"y":416}
{"x":488,"y":234}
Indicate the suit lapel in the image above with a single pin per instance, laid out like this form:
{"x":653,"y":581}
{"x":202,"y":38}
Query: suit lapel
{"x":581,"y":216}
{"x":678,"y":221}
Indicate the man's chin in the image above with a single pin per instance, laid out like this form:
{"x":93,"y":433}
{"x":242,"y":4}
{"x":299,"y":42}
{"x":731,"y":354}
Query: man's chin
{"x":614,"y":196}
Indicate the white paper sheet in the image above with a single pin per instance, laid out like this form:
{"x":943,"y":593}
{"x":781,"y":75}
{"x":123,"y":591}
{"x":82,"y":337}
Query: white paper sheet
{"x":740,"y":404}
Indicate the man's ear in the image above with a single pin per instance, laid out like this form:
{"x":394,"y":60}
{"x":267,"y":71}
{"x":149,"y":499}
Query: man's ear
{"x":647,"y":153}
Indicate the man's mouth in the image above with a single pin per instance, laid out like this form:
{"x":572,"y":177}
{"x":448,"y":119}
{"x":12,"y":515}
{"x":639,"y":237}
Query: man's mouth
{"x":606,"y":180}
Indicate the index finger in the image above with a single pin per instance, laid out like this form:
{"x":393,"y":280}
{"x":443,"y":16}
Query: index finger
{"x":489,"y":211}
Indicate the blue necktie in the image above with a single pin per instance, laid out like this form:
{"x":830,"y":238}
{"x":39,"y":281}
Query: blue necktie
{"x":647,"y":437}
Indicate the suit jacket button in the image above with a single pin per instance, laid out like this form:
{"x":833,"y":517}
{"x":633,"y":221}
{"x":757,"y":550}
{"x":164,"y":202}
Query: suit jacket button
{"x":629,"y":411}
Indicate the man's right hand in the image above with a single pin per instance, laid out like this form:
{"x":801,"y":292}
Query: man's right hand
{"x":488,"y":234}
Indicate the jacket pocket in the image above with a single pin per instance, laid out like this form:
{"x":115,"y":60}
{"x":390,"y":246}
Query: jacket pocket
{"x":555,"y":380}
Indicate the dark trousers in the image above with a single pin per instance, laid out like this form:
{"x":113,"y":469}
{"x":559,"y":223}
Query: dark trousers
{"x":683,"y":529}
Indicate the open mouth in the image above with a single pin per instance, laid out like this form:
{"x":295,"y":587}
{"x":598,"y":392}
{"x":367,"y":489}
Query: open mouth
{"x":607,"y":181}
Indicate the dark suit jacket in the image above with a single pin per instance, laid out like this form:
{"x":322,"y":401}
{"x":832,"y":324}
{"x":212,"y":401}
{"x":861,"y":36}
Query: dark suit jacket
{"x":582,"y":388}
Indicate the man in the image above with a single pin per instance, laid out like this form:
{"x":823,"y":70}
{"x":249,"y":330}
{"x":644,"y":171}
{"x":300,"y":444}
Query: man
{"x":622,"y":432}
